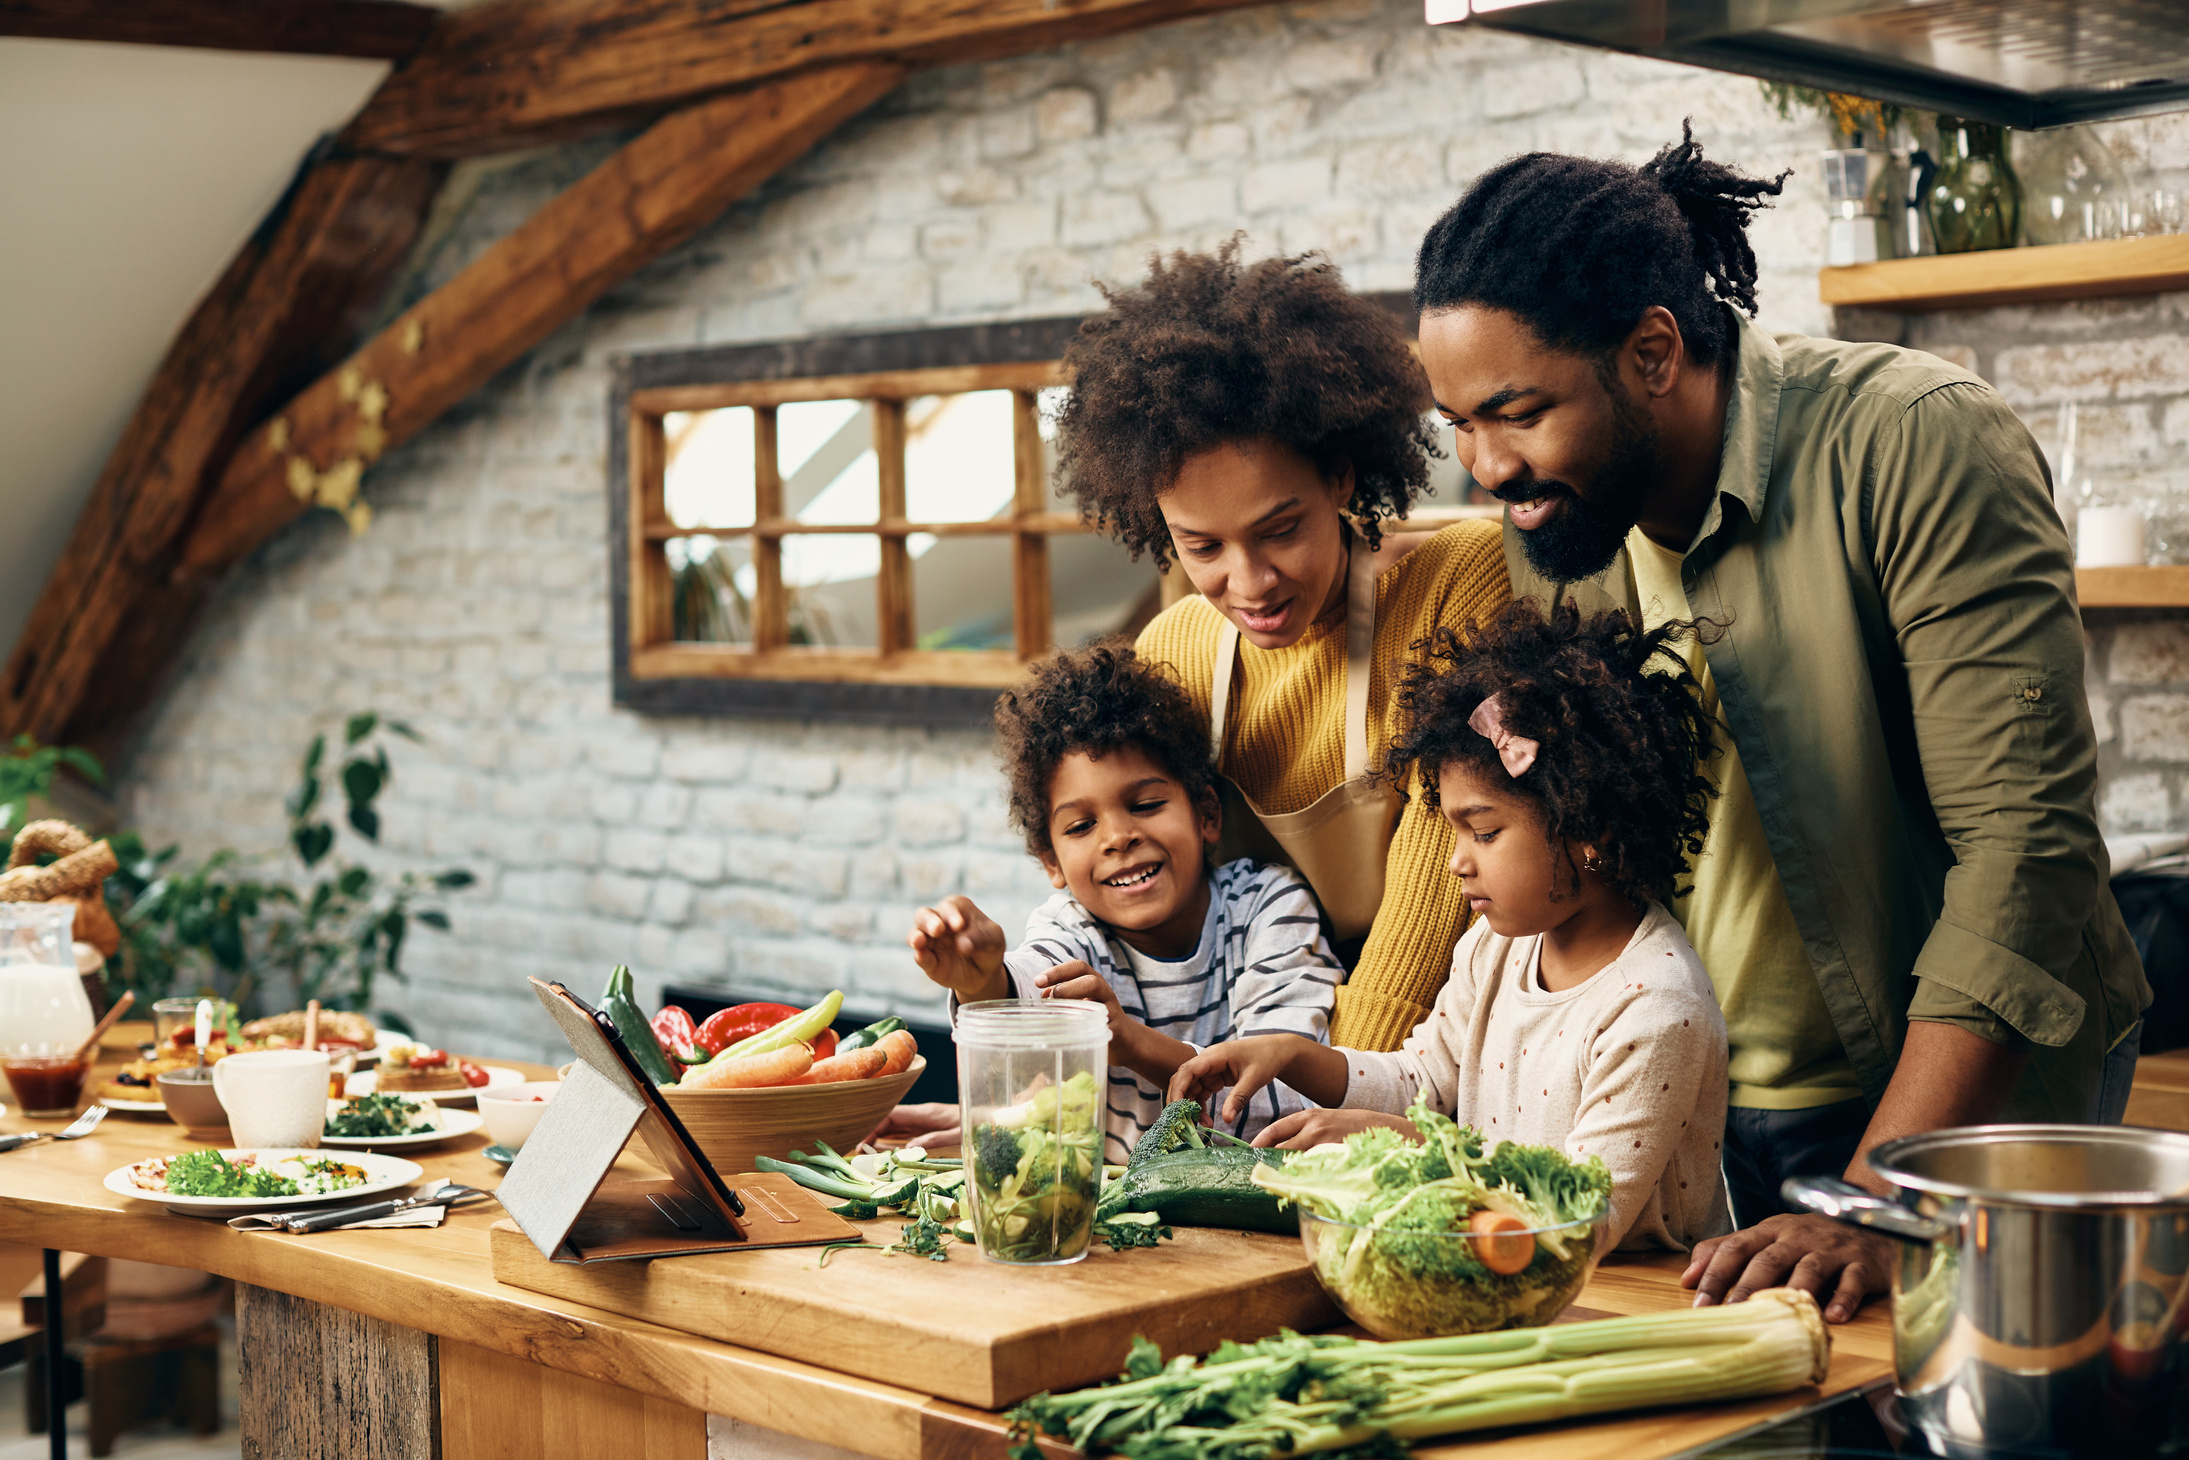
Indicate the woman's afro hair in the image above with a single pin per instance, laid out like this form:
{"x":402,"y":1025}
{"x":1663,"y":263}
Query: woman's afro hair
{"x":1210,"y":350}
{"x":1094,"y":701}
{"x":1621,"y":733}
{"x":1579,"y":247}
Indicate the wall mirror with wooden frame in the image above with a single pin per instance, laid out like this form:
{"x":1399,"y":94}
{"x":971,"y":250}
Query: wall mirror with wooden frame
{"x":861,"y":526}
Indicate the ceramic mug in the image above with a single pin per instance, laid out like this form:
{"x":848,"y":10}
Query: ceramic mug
{"x":274,"y":1097}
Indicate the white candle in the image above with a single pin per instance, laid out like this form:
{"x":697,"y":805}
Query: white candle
{"x":2109,"y":537}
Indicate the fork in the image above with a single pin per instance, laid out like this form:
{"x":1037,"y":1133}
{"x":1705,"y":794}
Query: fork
{"x":83,"y":1125}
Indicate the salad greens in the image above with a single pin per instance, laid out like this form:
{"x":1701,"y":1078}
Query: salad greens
{"x":209,"y":1173}
{"x":379,"y":1115}
{"x":1037,"y":1171}
{"x":1407,"y":1259}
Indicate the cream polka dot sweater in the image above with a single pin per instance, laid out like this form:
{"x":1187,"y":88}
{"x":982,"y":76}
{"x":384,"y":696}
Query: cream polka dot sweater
{"x":1628,"y":1065}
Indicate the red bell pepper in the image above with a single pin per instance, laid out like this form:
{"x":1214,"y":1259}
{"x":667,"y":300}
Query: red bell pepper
{"x":727,"y":1026}
{"x":679,"y":1037}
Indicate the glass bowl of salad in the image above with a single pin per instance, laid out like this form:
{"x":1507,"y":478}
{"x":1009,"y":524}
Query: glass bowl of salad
{"x":1494,"y":1271}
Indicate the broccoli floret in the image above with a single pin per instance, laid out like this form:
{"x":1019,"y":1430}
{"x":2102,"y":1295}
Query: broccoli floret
{"x":996,"y":1151}
{"x":1178,"y":1127}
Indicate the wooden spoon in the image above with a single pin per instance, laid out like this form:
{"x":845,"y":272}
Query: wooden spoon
{"x":99,"y":1029}
{"x":311,"y":1025}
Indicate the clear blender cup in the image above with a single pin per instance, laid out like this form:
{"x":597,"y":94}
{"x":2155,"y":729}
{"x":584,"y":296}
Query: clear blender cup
{"x":1031,"y":1076}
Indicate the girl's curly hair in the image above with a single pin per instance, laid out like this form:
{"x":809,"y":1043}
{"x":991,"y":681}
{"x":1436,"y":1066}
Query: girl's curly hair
{"x":1210,"y":350}
{"x":1094,"y":701}
{"x":1622,"y":736}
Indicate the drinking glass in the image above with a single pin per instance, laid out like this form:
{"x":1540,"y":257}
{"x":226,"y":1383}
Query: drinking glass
{"x":1032,"y":1079}
{"x":42,"y":999}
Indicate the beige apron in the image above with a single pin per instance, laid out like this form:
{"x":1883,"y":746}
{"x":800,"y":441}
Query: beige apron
{"x":1340,"y":842}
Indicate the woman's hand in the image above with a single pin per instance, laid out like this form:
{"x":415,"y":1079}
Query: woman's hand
{"x":932,"y":1124}
{"x":960,"y":947}
{"x":1304,"y":1128}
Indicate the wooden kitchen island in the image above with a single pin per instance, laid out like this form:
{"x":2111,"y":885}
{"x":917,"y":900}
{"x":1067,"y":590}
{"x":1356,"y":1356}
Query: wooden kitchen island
{"x":401,"y":1345}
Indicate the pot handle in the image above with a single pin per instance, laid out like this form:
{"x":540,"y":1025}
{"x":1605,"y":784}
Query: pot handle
{"x":1845,"y":1202}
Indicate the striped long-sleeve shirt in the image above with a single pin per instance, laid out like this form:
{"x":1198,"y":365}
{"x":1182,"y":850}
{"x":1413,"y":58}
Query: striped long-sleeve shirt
{"x":1262,"y":966}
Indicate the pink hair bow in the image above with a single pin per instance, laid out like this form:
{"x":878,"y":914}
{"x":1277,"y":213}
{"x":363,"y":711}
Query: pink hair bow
{"x":1516,"y":751}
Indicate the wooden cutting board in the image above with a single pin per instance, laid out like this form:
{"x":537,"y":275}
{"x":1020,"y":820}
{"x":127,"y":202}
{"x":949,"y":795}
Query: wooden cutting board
{"x":979,"y":1332}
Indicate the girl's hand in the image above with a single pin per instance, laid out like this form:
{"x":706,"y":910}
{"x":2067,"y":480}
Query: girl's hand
{"x":960,"y":947}
{"x":1305,"y":1128}
{"x":1246,"y":1065}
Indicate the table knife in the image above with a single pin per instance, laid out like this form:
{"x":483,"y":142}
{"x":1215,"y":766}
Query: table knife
{"x":344,"y":1216}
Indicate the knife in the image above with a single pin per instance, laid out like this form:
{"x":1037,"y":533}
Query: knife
{"x":344,"y":1216}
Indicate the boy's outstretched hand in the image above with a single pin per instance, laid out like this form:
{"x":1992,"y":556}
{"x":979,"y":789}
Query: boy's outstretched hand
{"x":960,"y":947}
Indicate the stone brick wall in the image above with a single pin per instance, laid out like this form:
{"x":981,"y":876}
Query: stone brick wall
{"x":783,"y":858}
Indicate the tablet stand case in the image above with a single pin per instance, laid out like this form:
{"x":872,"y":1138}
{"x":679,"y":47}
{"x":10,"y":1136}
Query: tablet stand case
{"x":563,"y":1199}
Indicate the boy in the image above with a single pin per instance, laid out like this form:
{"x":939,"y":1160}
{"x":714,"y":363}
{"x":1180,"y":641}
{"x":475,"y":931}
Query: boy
{"x":1112,"y":783}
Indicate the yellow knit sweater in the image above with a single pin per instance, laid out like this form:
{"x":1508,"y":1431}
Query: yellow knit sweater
{"x":1285,"y":746}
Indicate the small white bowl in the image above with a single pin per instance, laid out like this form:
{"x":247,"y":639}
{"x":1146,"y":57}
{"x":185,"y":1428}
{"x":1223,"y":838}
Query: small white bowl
{"x":512,"y":1111}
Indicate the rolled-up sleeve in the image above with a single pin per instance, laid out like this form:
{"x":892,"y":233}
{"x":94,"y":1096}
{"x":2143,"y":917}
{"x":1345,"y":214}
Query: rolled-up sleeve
{"x":1979,"y":585}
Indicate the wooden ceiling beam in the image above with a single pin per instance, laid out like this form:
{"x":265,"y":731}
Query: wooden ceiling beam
{"x":655,"y":192}
{"x":385,"y":30}
{"x":514,"y":72}
{"x":294,"y":295}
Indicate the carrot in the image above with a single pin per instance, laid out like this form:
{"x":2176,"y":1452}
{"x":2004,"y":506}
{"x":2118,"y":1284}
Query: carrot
{"x":901,"y":1048}
{"x":857,"y":1064}
{"x":776,"y":1067}
{"x":1502,"y":1241}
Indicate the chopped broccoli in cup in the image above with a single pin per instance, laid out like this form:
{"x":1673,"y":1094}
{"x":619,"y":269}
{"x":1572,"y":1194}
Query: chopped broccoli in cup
{"x":1037,"y":1169}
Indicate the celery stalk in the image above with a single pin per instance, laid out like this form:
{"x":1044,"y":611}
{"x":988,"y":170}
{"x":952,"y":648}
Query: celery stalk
{"x":1318,"y":1394}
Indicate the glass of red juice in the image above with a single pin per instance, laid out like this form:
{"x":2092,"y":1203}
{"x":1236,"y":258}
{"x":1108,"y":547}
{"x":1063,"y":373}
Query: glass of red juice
{"x":48,"y":1080}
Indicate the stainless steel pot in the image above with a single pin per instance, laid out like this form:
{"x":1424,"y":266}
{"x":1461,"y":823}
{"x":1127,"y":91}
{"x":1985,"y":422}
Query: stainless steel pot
{"x":2041,"y":1297}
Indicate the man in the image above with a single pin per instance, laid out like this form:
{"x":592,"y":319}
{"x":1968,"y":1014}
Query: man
{"x":1903,"y":900}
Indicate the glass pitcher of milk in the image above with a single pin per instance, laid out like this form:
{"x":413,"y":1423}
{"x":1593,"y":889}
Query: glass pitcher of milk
{"x":42,"y":999}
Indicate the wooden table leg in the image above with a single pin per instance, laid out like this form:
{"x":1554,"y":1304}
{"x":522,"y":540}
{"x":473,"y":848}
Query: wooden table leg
{"x":320,"y":1380}
{"x":56,"y":1357}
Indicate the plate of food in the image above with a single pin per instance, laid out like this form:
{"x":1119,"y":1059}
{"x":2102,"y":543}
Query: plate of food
{"x":394,"y":1123}
{"x":417,"y":1069}
{"x":339,"y":1032}
{"x":260,"y":1180}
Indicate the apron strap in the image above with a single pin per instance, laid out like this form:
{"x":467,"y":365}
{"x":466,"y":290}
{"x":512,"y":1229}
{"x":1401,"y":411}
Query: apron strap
{"x":1360,"y":644}
{"x":1227,"y":656}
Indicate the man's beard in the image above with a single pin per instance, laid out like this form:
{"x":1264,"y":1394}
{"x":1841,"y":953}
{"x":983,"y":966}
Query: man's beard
{"x":1583,"y":537}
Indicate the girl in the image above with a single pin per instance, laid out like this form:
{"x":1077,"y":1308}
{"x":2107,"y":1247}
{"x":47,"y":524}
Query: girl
{"x":1576,"y":1014}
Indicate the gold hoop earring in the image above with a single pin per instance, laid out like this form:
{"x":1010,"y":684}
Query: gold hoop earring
{"x":1590,"y":862}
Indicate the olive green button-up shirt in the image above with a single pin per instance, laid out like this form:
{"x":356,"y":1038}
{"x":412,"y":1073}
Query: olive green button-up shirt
{"x":1902,"y":668}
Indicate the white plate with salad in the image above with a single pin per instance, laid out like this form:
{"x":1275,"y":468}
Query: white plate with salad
{"x":394,"y":1123}
{"x":263,"y":1180}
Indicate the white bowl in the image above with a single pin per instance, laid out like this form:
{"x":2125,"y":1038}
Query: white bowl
{"x":512,"y":1111}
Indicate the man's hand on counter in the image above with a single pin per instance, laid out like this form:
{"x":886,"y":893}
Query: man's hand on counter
{"x":1946,"y":1076}
{"x":1837,"y":1264}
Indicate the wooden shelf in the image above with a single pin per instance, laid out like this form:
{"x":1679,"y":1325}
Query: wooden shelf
{"x":2166,"y":587}
{"x":2013,"y":275}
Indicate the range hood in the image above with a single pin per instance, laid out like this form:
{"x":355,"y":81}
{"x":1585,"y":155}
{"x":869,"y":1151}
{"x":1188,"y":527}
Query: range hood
{"x":2024,"y":63}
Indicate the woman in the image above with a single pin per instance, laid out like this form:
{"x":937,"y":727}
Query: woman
{"x":1259,"y":423}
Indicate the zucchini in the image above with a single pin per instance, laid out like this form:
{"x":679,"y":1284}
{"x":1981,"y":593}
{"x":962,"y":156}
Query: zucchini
{"x":1206,"y":1187}
{"x":872,"y":1034}
{"x":618,"y":1003}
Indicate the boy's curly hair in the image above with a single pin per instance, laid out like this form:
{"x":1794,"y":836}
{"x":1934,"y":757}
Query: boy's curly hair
{"x":1210,"y":350}
{"x":1622,"y":738}
{"x":1096,"y":700}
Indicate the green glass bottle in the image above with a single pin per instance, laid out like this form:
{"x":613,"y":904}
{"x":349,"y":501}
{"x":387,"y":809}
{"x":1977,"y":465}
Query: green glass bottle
{"x":1975,"y":198}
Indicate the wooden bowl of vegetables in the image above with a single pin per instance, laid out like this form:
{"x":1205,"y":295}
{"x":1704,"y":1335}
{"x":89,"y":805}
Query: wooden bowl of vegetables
{"x":734,"y":1126}
{"x":790,"y":1085}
